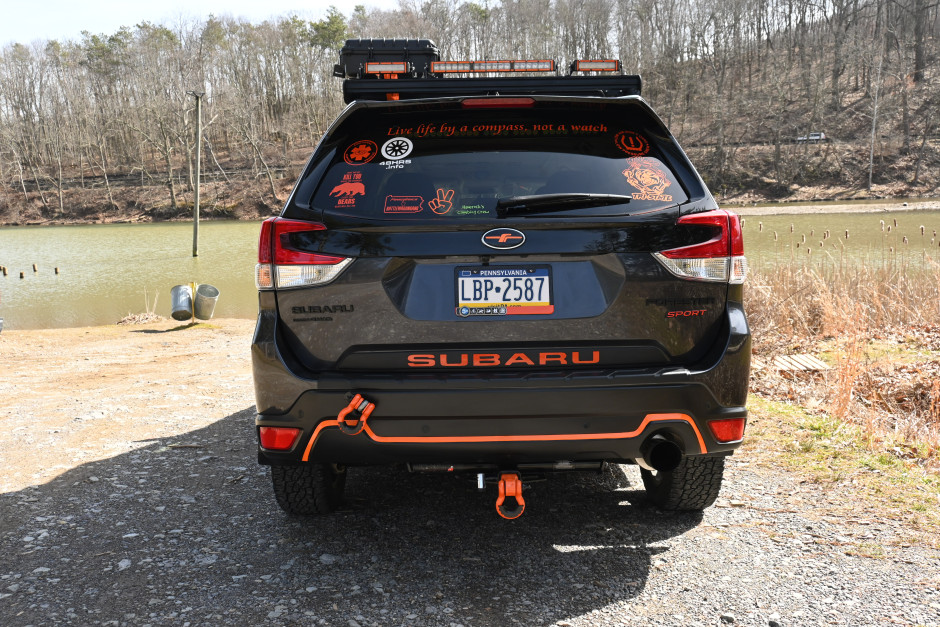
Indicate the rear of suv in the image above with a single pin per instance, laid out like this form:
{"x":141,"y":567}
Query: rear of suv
{"x":500,"y":276}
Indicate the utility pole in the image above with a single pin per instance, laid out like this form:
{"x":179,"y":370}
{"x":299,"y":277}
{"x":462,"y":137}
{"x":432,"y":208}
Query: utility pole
{"x":198,"y":95}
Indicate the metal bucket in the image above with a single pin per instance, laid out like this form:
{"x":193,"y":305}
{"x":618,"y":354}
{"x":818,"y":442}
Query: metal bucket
{"x":181,"y":302}
{"x":204,"y":304}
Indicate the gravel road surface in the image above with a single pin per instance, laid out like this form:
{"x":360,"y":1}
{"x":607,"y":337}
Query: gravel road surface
{"x":131,"y":496}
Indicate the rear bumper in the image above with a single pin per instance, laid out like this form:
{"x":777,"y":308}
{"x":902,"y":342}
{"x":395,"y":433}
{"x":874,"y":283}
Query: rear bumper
{"x":502,"y":418}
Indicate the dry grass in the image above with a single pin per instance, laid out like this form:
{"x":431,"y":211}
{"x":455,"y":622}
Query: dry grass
{"x":877,"y":327}
{"x":149,"y":315}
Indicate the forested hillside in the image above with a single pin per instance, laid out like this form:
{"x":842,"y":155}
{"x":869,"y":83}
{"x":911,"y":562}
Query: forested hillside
{"x":102,"y":128}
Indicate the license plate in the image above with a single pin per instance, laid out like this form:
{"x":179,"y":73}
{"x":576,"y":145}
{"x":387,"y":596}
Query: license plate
{"x":504,"y":291}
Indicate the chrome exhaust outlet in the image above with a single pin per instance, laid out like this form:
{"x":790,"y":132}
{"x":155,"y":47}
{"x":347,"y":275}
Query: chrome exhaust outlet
{"x":660,"y":454}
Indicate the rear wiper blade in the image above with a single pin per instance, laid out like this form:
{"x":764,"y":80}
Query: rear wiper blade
{"x":543,"y":203}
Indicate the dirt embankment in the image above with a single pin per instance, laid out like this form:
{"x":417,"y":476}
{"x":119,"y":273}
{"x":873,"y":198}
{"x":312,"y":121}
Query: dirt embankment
{"x":131,"y":495}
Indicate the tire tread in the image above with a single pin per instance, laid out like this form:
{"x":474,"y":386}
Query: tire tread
{"x":692,"y":486}
{"x":307,"y":489}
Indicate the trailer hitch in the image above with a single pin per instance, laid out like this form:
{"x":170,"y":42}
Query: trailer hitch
{"x":510,"y":489}
{"x":352,"y":419}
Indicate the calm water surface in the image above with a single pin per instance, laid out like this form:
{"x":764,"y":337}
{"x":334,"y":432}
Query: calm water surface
{"x":825,"y":239}
{"x":107,"y":271}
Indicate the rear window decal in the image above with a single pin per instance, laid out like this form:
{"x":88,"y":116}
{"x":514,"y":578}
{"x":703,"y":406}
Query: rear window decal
{"x":634,"y":144}
{"x":360,"y":152}
{"x":397,"y":148}
{"x":443,"y":202}
{"x":472,"y":210}
{"x":490,"y":130}
{"x":647,"y":175}
{"x":395,"y":165}
{"x":350,"y":187}
{"x":404,"y":204}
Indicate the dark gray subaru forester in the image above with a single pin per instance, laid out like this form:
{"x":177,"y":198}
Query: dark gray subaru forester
{"x":498,"y":275}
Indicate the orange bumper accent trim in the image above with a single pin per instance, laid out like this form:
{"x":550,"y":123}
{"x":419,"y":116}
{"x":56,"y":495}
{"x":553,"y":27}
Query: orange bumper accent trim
{"x":560,"y":437}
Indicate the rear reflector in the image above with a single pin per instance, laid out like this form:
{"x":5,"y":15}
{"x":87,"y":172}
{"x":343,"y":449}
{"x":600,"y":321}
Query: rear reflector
{"x":727,"y":429}
{"x":278,"y":438}
{"x":720,"y":258}
{"x":283,"y":265}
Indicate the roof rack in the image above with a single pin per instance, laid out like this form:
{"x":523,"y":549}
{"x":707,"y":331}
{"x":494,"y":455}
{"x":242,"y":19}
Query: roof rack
{"x":395,"y":69}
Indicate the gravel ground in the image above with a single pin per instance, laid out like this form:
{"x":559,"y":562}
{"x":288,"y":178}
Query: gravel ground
{"x":131,"y":496}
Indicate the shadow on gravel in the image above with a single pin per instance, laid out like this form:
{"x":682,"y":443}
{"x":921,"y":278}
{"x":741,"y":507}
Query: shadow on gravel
{"x":186,"y":529}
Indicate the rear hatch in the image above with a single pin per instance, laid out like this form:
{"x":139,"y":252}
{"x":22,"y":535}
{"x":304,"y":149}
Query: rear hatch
{"x":499,"y":234}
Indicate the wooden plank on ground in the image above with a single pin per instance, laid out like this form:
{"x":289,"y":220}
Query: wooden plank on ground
{"x":804,"y":363}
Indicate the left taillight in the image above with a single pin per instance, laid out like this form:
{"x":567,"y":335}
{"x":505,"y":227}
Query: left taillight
{"x":720,"y":259}
{"x":283,"y":266}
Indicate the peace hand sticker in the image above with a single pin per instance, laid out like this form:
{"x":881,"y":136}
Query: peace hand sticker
{"x":443,"y":202}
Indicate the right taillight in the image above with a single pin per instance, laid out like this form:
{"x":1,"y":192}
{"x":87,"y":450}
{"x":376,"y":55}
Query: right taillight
{"x":719,"y":259}
{"x":282,"y":266}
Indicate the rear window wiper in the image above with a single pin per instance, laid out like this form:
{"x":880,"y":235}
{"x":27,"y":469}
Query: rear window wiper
{"x":544,"y":203}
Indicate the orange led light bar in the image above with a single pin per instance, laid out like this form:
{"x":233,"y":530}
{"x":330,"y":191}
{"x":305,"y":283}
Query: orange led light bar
{"x":397,"y":67}
{"x":454,"y":67}
{"x":597,"y":65}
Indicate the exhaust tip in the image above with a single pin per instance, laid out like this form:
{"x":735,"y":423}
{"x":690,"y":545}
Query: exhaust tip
{"x":660,"y":454}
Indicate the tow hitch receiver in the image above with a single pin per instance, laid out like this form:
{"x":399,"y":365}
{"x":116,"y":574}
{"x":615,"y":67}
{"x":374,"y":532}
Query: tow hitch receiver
{"x":510,"y":489}
{"x":353,"y":418}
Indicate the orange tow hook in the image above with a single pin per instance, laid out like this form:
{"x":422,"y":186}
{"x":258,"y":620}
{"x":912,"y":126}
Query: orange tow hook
{"x":510,"y":488}
{"x":352,"y":419}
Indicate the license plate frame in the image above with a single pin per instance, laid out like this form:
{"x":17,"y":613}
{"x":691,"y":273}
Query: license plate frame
{"x":481,"y":290}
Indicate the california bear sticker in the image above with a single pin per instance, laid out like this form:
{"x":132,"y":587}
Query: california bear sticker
{"x":648,"y":176}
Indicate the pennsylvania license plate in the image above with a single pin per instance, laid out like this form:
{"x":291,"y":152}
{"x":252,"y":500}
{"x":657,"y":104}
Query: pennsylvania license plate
{"x":504,"y":291}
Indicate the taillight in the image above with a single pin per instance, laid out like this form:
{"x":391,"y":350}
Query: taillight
{"x":283,"y":266}
{"x":719,"y":259}
{"x":727,"y":429}
{"x":278,"y":438}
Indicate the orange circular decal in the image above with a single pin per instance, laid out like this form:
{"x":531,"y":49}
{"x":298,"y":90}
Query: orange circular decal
{"x":634,"y":144}
{"x":362,"y":151}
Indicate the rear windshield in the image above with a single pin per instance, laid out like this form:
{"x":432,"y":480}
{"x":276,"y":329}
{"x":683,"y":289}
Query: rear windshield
{"x":458,"y":164}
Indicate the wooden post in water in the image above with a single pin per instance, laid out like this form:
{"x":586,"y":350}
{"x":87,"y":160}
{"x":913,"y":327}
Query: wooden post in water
{"x":198,"y":95}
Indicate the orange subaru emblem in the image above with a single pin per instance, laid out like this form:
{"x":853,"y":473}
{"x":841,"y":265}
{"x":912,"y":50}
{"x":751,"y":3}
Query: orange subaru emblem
{"x":503,"y":239}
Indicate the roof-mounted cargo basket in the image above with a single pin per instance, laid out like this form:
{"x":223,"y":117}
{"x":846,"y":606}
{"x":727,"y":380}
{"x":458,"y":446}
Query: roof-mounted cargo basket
{"x":368,"y":65}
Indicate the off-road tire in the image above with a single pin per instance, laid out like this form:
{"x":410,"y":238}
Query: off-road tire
{"x":692,"y":486}
{"x":309,"y":488}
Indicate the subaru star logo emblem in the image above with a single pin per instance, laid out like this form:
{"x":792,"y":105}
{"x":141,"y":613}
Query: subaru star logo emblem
{"x":503,"y":239}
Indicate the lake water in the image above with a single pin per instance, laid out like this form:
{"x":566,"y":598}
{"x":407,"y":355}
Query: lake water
{"x":107,"y":271}
{"x":905,"y":239}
